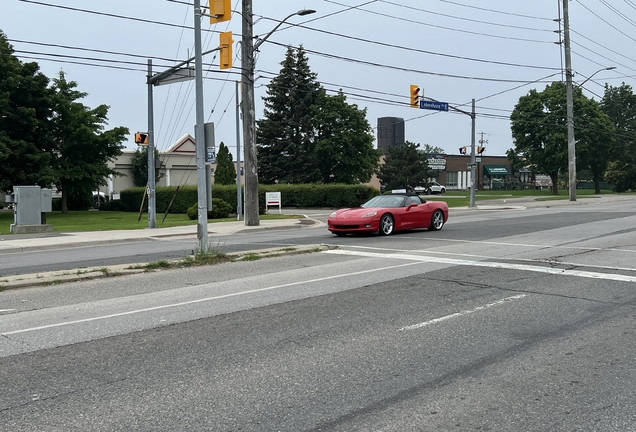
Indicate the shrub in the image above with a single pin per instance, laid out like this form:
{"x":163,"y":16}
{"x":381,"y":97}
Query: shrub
{"x":220,"y":209}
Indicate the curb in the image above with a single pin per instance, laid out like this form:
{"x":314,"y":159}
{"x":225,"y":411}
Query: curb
{"x":91,"y":273}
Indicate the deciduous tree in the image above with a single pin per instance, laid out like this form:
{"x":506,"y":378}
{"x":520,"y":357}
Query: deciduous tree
{"x":344,"y":142}
{"x":82,"y":148}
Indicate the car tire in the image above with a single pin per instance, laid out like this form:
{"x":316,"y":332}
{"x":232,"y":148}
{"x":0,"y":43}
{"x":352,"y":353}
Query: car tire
{"x":429,"y":192}
{"x":437,"y":221}
{"x":387,"y":224}
{"x":443,"y":191}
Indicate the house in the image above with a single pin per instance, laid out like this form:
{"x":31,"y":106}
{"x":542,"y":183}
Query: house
{"x":178,"y":165}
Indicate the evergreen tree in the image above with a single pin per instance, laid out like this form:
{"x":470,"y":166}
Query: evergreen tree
{"x":25,"y":110}
{"x":139,"y":166}
{"x":225,"y":173}
{"x":344,"y":142}
{"x":285,"y":135}
{"x":82,"y":147}
{"x":405,"y":166}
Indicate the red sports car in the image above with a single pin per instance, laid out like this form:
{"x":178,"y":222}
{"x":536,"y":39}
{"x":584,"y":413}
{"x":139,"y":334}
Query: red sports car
{"x":388,"y":213}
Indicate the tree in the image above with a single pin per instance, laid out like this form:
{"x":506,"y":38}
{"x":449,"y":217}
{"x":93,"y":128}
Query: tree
{"x":405,"y":166}
{"x":344,"y":142}
{"x":25,"y":110}
{"x":619,"y":103}
{"x":285,"y":135}
{"x":82,"y":147}
{"x":139,"y":168}
{"x":539,"y":130}
{"x":431,"y":150}
{"x":225,"y":173}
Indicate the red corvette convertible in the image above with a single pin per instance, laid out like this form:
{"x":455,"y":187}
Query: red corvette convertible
{"x":388,"y":213}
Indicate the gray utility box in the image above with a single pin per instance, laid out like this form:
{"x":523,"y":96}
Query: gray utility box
{"x":29,"y":205}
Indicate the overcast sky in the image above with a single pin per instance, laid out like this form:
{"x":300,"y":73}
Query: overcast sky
{"x":492,"y":50}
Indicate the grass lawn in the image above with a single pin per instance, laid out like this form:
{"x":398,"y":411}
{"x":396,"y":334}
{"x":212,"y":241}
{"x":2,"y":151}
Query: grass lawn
{"x":106,"y":220}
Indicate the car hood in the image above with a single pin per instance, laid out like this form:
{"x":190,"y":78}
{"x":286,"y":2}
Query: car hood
{"x":352,"y":212}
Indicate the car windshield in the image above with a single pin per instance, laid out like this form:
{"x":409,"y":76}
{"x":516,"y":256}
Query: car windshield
{"x":385,"y":201}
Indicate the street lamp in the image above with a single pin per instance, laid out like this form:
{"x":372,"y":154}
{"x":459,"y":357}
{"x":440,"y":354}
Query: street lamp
{"x":248,"y":109}
{"x":590,"y":77}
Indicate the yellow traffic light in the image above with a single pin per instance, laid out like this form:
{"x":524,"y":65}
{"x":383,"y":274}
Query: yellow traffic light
{"x":225,"y":43}
{"x":415,"y":96}
{"x":141,"y":138}
{"x":220,"y":10}
{"x":480,"y":150}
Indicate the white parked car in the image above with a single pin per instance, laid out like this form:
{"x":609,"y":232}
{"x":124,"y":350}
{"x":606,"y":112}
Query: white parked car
{"x":432,"y":188}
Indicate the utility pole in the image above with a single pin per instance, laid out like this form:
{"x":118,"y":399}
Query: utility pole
{"x":570,"y":103}
{"x":239,"y":199}
{"x":249,"y":121}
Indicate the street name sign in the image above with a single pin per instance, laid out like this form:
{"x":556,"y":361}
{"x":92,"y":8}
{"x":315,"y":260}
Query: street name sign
{"x":433,"y":105}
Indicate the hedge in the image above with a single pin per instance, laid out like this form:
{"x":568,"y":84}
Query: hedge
{"x":292,"y":196}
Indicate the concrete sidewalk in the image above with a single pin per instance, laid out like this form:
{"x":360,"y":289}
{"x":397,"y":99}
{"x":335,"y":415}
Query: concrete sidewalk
{"x":12,"y":243}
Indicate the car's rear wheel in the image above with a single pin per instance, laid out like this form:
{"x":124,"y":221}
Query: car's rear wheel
{"x":386,"y":224}
{"x":437,"y":221}
{"x":429,"y":192}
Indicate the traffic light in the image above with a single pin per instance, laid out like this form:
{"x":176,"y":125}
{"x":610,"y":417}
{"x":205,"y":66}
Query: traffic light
{"x":141,"y":138}
{"x":225,"y":43}
{"x":480,"y":150}
{"x":415,"y":96}
{"x":462,"y":150}
{"x":220,"y":10}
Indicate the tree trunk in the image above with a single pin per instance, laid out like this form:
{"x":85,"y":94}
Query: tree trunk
{"x":555,"y":183}
{"x":64,"y":206}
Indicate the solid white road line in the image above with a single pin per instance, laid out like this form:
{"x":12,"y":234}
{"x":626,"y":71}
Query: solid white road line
{"x":462,"y":313}
{"x":490,"y":264}
{"x":207,"y":299}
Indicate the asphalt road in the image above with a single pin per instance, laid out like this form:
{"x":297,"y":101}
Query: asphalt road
{"x":519,"y":320}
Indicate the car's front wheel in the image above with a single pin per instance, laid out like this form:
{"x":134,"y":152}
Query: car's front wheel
{"x":437,"y":221}
{"x":386,"y":225}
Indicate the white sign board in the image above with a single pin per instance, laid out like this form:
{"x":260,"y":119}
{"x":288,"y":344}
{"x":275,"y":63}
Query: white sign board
{"x":273,"y":199}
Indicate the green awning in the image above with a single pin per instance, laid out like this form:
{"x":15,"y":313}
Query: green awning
{"x":494,"y":170}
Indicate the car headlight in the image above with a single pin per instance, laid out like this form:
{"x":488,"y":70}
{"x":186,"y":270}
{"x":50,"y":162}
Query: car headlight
{"x":333,"y":215}
{"x":369,"y":214}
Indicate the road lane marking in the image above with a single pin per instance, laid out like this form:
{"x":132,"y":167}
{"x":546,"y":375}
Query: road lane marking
{"x":462,"y":313}
{"x":490,"y":264}
{"x":491,"y":257}
{"x":207,"y":299}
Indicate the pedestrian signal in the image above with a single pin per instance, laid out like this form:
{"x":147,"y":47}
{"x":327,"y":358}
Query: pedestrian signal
{"x":141,"y":138}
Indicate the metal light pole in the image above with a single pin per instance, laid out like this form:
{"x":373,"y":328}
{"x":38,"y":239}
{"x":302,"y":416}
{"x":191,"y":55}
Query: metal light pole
{"x":473,"y":171}
{"x":248,"y":107}
{"x":199,"y":134}
{"x":152,"y":198}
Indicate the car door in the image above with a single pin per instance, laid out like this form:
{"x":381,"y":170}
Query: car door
{"x":414,"y":212}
